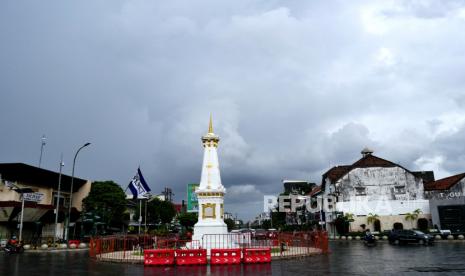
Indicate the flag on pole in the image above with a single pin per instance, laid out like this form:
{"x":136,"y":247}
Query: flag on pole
{"x":9,"y":184}
{"x":138,"y":186}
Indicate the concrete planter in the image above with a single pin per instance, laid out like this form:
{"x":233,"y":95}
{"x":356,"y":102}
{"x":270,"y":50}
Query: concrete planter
{"x":337,"y":237}
{"x":82,"y":245}
{"x":343,"y":237}
{"x":349,"y":238}
{"x":438,"y":237}
{"x":62,"y":246}
{"x":44,"y":246}
{"x":72,"y":246}
{"x":357,"y":238}
{"x":460,"y":237}
{"x":385,"y":238}
{"x":450,"y":237}
{"x":376,"y":237}
{"x":27,"y":246}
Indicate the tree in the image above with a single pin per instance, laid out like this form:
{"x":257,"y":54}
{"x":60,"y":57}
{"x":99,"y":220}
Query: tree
{"x":266,"y":224}
{"x":412,"y":216}
{"x":279,"y":219}
{"x":230,"y":223}
{"x":158,"y":211}
{"x":188,"y":220}
{"x":107,"y":200}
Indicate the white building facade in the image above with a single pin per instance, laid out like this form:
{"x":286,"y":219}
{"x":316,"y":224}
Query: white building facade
{"x":374,"y":187}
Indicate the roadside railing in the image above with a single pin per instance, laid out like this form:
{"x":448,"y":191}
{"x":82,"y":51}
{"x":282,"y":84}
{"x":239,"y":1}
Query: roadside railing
{"x":129,"y":248}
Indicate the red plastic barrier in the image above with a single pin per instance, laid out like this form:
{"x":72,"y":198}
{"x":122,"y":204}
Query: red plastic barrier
{"x":76,"y":242}
{"x":159,"y":257}
{"x":191,"y":256}
{"x":225,"y":256}
{"x":257,"y":255}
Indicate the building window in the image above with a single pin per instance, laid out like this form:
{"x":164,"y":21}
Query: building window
{"x":360,"y":191}
{"x":64,"y":199}
{"x":399,"y":189}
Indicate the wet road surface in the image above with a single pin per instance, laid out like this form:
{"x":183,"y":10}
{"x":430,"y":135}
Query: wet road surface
{"x":347,"y":258}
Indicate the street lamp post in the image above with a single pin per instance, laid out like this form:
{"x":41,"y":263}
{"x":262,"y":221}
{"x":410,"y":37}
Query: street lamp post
{"x":71,"y":190}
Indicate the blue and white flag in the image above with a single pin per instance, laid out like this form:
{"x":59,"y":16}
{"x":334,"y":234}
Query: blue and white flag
{"x":138,"y":186}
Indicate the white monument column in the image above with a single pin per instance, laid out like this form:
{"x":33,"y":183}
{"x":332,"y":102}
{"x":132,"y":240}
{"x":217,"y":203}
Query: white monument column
{"x":210,"y":193}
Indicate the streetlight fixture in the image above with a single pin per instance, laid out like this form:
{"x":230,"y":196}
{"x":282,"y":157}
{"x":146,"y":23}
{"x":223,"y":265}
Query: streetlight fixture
{"x":42,"y":148}
{"x":71,"y":190}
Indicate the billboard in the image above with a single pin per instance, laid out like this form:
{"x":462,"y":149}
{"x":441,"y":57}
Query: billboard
{"x":192,"y":202}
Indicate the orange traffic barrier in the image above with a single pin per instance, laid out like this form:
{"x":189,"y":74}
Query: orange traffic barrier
{"x":257,"y":255}
{"x":191,"y":256}
{"x":225,"y":256}
{"x":159,"y":257}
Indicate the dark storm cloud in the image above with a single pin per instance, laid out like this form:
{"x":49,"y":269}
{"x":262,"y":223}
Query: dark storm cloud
{"x":294,"y":87}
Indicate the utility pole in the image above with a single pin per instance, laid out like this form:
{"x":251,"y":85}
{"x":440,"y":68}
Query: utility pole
{"x":58,"y":200}
{"x":168,"y":193}
{"x":140,"y":213}
{"x":22,"y":217}
{"x":42,"y":149}
{"x":145,"y":217}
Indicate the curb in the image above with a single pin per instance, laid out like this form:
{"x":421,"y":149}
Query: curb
{"x":36,"y":251}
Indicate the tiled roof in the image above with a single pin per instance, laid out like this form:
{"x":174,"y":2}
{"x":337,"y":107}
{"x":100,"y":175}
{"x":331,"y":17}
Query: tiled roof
{"x":335,"y":173}
{"x":367,"y":161}
{"x":445,"y":183}
{"x":315,"y":190}
{"x":370,"y":160}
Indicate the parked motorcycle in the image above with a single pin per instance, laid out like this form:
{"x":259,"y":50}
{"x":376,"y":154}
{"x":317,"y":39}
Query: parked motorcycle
{"x":369,"y":240}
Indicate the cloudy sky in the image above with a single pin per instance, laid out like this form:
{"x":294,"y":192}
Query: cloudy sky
{"x":294,"y":88}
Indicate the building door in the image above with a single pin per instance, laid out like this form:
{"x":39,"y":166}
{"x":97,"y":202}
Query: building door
{"x":422,"y":224}
{"x":377,"y":225}
{"x":398,"y":226}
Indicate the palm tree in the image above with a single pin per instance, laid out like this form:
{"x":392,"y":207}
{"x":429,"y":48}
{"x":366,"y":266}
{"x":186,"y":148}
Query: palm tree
{"x":412,"y":216}
{"x":372,"y":218}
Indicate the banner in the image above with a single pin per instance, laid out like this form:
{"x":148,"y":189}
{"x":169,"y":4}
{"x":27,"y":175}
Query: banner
{"x":36,"y":197}
{"x":192,"y":202}
{"x":138,"y":186}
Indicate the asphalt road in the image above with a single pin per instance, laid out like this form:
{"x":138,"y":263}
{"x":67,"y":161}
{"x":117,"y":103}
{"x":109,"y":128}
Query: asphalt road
{"x":346,"y":258}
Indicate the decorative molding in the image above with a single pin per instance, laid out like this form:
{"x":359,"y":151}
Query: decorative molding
{"x":211,"y":208}
{"x":207,"y":194}
{"x":222,"y":210}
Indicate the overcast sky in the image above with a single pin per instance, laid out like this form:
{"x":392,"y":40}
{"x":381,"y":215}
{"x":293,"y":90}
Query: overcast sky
{"x":294,"y":88}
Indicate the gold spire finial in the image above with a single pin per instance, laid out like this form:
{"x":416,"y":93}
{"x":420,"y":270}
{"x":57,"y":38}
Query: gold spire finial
{"x":210,"y":126}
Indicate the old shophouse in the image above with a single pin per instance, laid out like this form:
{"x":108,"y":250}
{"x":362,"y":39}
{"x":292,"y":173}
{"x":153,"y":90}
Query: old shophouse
{"x":447,"y":202}
{"x":377,"y":188}
{"x":39,"y":213}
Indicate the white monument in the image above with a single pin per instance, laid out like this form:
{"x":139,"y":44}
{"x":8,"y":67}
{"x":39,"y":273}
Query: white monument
{"x":210,"y":194}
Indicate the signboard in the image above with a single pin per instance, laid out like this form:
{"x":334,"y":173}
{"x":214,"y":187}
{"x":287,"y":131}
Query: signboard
{"x":36,"y":197}
{"x":192,"y":202}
